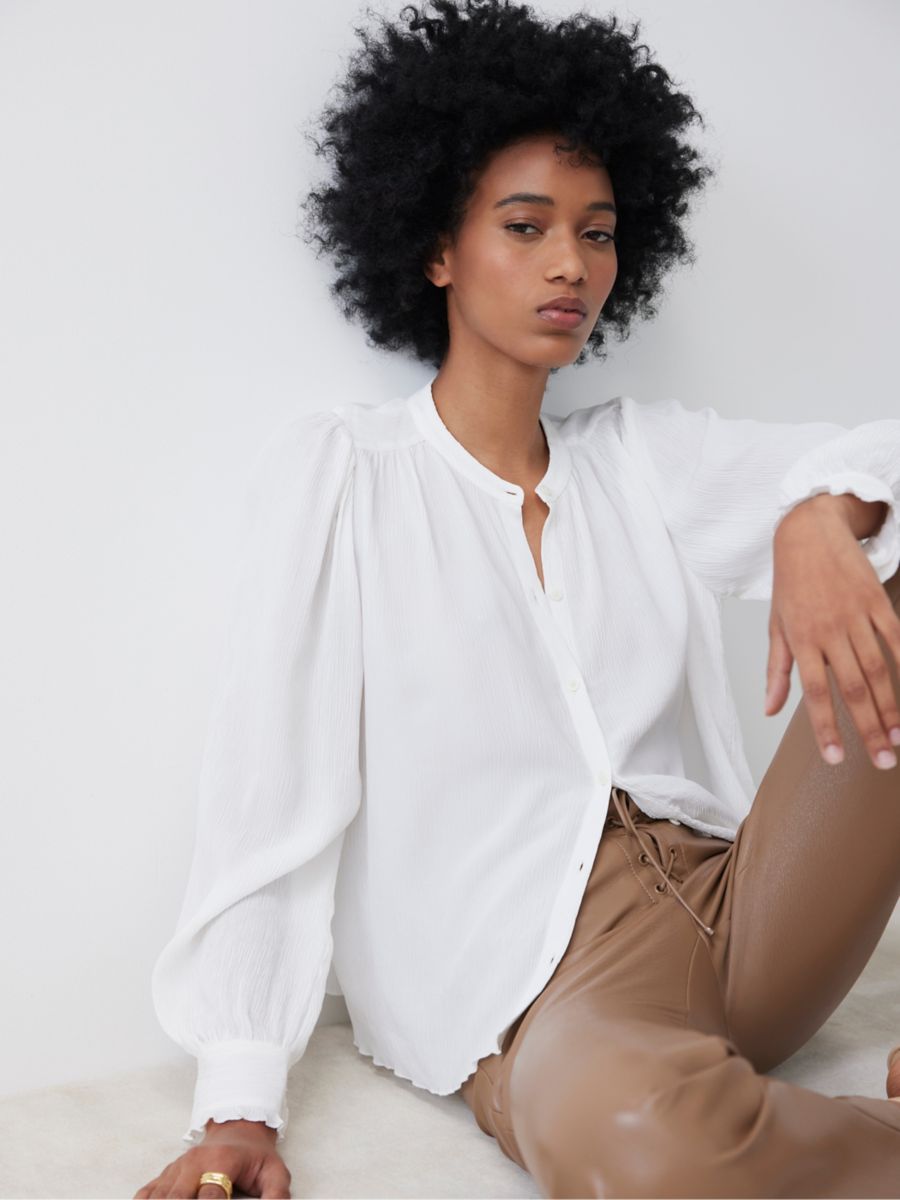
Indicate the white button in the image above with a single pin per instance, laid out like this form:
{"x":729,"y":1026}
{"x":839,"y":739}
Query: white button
{"x":672,"y":821}
{"x":573,"y":685}
{"x":555,"y":593}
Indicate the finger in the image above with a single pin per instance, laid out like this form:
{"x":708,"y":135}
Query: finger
{"x":275,"y":1180}
{"x":153,"y":1189}
{"x":161,"y":1187}
{"x":875,"y":670}
{"x":817,"y":698}
{"x":186,"y":1189}
{"x":276,"y":1191}
{"x":778,"y":670}
{"x":854,"y":690}
{"x":887,"y":623}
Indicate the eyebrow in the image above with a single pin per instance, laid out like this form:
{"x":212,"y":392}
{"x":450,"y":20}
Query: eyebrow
{"x":534,"y":198}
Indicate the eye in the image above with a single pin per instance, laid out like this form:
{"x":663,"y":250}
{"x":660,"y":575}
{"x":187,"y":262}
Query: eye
{"x":610,"y":237}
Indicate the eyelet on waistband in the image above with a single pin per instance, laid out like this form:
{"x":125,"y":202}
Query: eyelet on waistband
{"x":643,"y":857}
{"x":660,"y":887}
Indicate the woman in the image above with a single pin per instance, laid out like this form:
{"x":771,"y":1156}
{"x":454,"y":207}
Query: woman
{"x":473,"y":761}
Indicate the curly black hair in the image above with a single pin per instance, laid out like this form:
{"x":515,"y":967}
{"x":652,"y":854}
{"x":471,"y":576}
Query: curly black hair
{"x":423,"y":107}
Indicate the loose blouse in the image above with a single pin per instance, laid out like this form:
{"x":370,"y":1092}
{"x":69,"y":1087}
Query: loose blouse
{"x":412,"y":742}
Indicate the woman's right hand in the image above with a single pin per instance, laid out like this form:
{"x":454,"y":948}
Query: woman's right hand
{"x":242,"y":1150}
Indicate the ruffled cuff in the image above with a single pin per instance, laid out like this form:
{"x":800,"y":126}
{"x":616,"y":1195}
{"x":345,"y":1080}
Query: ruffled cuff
{"x":883,"y":548}
{"x":240,"y":1080}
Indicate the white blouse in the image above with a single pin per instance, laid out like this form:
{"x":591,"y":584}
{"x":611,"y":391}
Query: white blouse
{"x":412,"y":743}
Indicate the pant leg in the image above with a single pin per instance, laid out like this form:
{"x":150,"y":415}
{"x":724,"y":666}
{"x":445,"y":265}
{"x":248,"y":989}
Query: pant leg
{"x":621,"y":1077}
{"x":815,"y":879}
{"x":638,"y":1069}
{"x":619,"y":1106}
{"x":608,"y":966}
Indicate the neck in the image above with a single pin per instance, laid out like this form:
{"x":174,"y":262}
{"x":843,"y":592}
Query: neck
{"x":496,"y":417}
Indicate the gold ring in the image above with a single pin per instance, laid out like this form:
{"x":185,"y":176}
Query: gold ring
{"x":217,"y":1177}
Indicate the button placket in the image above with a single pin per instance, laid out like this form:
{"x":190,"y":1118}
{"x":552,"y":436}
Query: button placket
{"x":555,"y":593}
{"x":551,"y":619}
{"x":550,"y":610}
{"x":550,"y":613}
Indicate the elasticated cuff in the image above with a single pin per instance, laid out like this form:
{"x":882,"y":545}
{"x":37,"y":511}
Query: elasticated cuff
{"x":240,"y":1080}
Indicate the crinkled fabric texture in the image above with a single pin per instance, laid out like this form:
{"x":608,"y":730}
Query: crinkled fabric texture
{"x":398,"y":697}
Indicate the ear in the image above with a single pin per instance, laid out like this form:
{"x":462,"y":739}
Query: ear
{"x":435,"y":267}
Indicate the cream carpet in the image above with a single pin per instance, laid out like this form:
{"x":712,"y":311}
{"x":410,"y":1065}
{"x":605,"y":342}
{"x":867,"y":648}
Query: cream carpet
{"x":356,"y":1129}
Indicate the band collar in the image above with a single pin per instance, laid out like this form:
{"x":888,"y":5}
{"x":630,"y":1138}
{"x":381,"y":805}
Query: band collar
{"x":428,"y":420}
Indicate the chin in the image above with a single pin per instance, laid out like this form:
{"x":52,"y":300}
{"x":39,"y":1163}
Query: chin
{"x":559,"y":351}
{"x":562,"y":355}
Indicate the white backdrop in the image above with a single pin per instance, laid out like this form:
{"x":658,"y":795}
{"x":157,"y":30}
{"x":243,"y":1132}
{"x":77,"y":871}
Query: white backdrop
{"x":159,"y":316}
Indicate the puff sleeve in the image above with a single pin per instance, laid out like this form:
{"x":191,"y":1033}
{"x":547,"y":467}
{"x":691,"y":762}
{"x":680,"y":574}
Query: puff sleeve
{"x":724,"y":485}
{"x":241,"y":983}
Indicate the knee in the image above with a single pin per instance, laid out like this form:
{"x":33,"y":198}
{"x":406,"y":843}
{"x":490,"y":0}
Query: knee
{"x":616,"y":1127}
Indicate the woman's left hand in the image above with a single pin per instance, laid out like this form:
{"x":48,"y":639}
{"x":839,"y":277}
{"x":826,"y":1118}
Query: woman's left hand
{"x":827,"y":603}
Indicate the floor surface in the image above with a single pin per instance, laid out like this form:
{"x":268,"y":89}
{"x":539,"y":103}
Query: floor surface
{"x":356,"y":1129}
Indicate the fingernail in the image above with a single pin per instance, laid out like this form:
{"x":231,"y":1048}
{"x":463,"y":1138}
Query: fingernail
{"x":833,"y":754}
{"x":885,"y":759}
{"x":894,"y":735}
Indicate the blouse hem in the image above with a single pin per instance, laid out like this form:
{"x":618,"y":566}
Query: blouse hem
{"x":495,"y":1049}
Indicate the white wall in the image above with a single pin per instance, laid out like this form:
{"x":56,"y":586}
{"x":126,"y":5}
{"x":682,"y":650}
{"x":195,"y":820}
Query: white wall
{"x":159,"y":317}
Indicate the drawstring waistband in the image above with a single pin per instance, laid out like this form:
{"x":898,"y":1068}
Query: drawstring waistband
{"x":668,"y":881}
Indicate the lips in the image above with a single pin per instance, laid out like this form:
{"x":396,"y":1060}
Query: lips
{"x":565,"y":304}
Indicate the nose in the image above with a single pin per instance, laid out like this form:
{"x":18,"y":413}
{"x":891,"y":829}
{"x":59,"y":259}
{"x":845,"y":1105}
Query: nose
{"x":569,"y":262}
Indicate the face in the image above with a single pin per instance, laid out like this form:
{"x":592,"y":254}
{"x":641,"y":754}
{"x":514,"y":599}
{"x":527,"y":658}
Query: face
{"x":512,"y":255}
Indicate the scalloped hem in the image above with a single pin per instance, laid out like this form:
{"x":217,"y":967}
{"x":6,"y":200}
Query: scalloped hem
{"x":242,"y":1113}
{"x":451,"y":1091}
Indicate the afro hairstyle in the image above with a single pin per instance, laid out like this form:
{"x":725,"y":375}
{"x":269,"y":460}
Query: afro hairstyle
{"x":425,"y":104}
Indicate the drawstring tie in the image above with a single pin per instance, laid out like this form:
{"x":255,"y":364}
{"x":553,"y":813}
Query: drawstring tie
{"x":667,"y":880}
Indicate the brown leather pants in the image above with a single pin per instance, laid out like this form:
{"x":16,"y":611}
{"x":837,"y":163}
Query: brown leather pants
{"x":640,"y":1068}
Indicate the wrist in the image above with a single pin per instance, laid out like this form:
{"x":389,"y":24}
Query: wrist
{"x":862,"y":517}
{"x":240,"y":1127}
{"x":865,"y":516}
